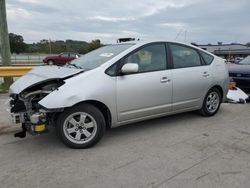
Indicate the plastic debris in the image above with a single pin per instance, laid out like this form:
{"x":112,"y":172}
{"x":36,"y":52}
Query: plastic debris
{"x":236,"y":95}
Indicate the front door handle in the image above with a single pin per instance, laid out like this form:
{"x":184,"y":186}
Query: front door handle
{"x":165,"y":79}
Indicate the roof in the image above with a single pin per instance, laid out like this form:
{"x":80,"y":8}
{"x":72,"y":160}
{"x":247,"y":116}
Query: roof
{"x":143,"y":42}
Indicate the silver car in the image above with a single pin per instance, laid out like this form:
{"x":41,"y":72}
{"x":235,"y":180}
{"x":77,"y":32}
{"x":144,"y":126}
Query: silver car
{"x":117,"y":85}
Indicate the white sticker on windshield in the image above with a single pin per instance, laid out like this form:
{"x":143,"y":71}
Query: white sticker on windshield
{"x":106,"y":54}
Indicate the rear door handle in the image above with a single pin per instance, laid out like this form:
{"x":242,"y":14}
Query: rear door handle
{"x":165,"y":79}
{"x":205,"y":74}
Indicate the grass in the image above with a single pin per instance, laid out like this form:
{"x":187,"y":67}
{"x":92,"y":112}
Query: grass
{"x":4,"y":87}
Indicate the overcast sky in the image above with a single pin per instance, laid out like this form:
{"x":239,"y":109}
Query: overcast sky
{"x":200,"y":21}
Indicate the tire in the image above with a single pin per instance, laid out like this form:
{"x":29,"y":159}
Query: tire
{"x":211,"y":103}
{"x":81,"y":126}
{"x":50,"y":62}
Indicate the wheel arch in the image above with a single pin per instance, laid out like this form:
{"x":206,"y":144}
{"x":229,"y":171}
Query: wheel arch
{"x":103,"y":108}
{"x":51,"y":60}
{"x":219,"y":89}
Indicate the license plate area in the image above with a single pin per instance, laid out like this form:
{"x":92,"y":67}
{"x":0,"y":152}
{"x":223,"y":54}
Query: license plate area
{"x":17,"y":118}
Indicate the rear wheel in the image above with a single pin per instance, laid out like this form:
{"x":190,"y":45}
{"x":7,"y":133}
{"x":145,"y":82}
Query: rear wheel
{"x":211,"y":103}
{"x":81,"y":126}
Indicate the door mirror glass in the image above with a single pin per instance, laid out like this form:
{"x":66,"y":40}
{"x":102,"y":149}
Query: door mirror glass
{"x":129,"y":68}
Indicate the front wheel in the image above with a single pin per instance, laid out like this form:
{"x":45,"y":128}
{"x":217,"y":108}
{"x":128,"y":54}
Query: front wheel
{"x":50,"y":62}
{"x":211,"y":103}
{"x":81,"y":126}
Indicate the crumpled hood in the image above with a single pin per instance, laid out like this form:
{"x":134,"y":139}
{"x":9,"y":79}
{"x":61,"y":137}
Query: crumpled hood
{"x":40,"y":74}
{"x":235,"y":68}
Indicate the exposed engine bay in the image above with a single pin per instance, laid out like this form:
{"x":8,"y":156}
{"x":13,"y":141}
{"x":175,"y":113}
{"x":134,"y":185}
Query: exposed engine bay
{"x":27,"y":91}
{"x":25,"y":109}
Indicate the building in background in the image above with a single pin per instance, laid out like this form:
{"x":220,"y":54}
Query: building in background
{"x":228,"y":51}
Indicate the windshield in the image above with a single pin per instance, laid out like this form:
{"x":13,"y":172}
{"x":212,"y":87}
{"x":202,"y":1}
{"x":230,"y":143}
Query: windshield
{"x":99,"y":56}
{"x":245,"y":61}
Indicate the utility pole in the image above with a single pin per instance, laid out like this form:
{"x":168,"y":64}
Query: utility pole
{"x":4,"y":40}
{"x":178,"y":34}
{"x":49,"y":46}
{"x":185,"y":37}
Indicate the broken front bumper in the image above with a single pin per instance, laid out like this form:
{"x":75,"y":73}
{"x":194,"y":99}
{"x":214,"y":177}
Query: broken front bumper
{"x":35,"y":124}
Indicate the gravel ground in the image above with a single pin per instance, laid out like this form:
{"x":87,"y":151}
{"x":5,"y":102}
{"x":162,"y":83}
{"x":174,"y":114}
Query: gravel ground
{"x":184,"y":150}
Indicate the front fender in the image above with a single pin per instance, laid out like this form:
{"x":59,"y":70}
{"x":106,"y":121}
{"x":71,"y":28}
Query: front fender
{"x":95,"y":86}
{"x":57,"y":100}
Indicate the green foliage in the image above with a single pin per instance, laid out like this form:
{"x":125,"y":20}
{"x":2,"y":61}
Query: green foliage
{"x":55,"y":47}
{"x":51,"y":47}
{"x":17,"y":44}
{"x":4,"y":87}
{"x":94,"y":45}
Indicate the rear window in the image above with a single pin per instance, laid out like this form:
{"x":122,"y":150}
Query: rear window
{"x":207,"y":58}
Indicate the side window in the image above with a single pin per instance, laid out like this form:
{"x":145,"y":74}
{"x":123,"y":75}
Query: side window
{"x":112,"y":70}
{"x":184,"y":56}
{"x":65,"y":55}
{"x":149,"y":58}
{"x":207,"y":58}
{"x":72,"y":55}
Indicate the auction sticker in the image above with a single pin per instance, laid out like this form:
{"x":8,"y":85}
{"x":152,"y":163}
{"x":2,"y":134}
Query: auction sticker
{"x":106,"y":54}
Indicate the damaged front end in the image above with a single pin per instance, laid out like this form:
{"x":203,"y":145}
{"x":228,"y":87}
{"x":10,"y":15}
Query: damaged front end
{"x":28,"y":90}
{"x":25,"y":109}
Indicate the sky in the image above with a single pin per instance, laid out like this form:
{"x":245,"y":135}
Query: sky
{"x":200,"y":21}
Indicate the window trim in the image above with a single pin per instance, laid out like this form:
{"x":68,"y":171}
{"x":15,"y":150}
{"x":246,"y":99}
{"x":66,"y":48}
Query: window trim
{"x":120,"y":62}
{"x":202,"y":62}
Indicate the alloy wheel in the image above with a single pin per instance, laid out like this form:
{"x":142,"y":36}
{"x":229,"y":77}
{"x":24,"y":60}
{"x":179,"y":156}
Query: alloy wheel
{"x":212,"y":102}
{"x":80,"y":127}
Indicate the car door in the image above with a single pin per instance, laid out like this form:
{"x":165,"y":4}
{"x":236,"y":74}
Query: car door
{"x":148,"y":92}
{"x":191,"y":78}
{"x":64,"y":58}
{"x":67,"y":58}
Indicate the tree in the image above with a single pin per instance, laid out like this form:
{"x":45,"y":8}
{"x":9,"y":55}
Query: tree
{"x":58,"y":46}
{"x":94,"y":44}
{"x":248,"y":44}
{"x":4,"y":42}
{"x":17,"y":44}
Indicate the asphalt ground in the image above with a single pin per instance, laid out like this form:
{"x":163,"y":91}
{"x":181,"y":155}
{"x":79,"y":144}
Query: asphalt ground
{"x":184,"y":150}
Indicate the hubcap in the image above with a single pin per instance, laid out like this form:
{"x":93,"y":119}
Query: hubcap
{"x":80,"y":127}
{"x":212,"y":102}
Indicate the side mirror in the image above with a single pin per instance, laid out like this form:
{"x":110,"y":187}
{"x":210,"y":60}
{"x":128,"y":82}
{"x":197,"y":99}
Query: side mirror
{"x":130,"y":68}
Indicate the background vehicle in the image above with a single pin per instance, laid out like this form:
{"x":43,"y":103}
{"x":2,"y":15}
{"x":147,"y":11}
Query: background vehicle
{"x":240,"y":73}
{"x":61,"y":59}
{"x":237,"y":60}
{"x":116,"y":85}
